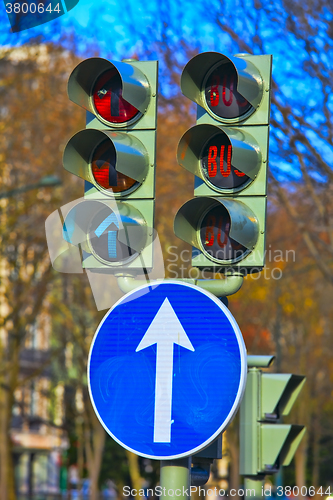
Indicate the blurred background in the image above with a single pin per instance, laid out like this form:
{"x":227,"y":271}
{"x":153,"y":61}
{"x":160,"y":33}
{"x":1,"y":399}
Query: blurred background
{"x":51,"y":444}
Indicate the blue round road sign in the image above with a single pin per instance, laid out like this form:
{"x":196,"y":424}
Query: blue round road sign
{"x":167,"y":370}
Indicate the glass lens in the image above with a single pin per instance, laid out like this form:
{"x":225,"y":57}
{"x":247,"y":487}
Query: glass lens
{"x":104,"y":240}
{"x":214,"y":235}
{"x":108,"y":101}
{"x":216,"y":164}
{"x":103,"y":167}
{"x":221,"y":93}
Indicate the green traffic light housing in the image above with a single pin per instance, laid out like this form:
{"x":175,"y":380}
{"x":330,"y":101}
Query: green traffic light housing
{"x":227,"y":152}
{"x":224,"y":232}
{"x":111,"y":230}
{"x":115,"y":163}
{"x":115,"y":155}
{"x":279,"y":392}
{"x":266,"y":443}
{"x":229,"y":90}
{"x":225,"y":160}
{"x":112,"y":236}
{"x":118,"y":94}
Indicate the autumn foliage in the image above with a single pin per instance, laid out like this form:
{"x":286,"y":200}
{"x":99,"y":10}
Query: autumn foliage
{"x":285,"y":311}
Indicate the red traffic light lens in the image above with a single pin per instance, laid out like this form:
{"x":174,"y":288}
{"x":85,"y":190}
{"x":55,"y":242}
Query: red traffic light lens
{"x":221,"y":93}
{"x":108,"y":100}
{"x":103,"y":167}
{"x":216,"y":164}
{"x":215,"y":239}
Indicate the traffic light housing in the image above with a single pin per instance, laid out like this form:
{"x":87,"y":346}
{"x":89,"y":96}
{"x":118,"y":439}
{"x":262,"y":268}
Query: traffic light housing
{"x":115,"y":155}
{"x":266,"y":444}
{"x":227,"y":151}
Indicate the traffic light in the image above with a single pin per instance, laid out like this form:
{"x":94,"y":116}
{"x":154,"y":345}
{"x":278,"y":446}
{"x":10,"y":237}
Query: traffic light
{"x":115,"y":155}
{"x":266,"y":443}
{"x":227,"y":151}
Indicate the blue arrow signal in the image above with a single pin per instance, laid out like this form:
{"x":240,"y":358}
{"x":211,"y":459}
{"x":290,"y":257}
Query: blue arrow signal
{"x":112,"y":235}
{"x":112,"y":244}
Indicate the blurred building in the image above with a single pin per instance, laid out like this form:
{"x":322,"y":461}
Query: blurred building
{"x":37,"y":434}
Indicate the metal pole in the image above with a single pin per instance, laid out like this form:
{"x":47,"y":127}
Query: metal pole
{"x":256,"y":484}
{"x":175,"y":479}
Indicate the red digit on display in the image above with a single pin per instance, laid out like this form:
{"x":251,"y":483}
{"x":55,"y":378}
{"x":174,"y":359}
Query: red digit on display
{"x":226,"y":101}
{"x":240,"y":174}
{"x":214,"y":91}
{"x":226,"y":233}
{"x":209,"y":237}
{"x":225,"y":173}
{"x":212,"y":165}
{"x":221,"y":94}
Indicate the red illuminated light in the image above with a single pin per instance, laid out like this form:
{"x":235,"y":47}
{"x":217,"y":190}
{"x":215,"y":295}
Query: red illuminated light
{"x":216,"y":164}
{"x":108,"y":100}
{"x":212,"y":163}
{"x":103,"y":167}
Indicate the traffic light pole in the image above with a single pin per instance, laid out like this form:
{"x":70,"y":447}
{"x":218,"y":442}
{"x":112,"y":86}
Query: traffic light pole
{"x":256,"y":484}
{"x":175,"y":479}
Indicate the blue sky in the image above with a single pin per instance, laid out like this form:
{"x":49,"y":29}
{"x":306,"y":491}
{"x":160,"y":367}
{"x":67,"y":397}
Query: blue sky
{"x":118,"y":28}
{"x":110,"y":24}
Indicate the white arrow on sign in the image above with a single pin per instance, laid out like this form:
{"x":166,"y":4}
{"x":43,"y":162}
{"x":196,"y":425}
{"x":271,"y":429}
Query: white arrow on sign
{"x":165,"y":330}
